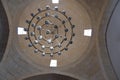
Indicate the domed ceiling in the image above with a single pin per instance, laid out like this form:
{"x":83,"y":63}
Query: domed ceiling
{"x":50,"y":39}
{"x":76,"y":50}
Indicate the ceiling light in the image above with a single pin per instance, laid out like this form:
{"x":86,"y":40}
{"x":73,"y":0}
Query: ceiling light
{"x":27,"y":21}
{"x":66,"y":49}
{"x":51,"y":54}
{"x":64,"y":12}
{"x":47,"y":7}
{"x":59,"y":53}
{"x":51,"y":47}
{"x":32,"y":33}
{"x":36,"y":51}
{"x":25,"y":29}
{"x":65,"y":38}
{"x":43,"y":54}
{"x":56,"y":8}
{"x":39,"y":27}
{"x":26,"y":38}
{"x":39,"y":10}
{"x":47,"y":35}
{"x":40,"y":37}
{"x":56,"y":36}
{"x":49,"y":41}
{"x":38,"y":18}
{"x":59,"y":45}
{"x":69,"y":18}
{"x":47,"y":22}
{"x":36,"y":41}
{"x":43,"y":46}
{"x":55,"y":15}
{"x":66,"y":30}
{"x":48,"y":32}
{"x":30,"y":45}
{"x":47,"y":14}
{"x":32,"y":14}
{"x":63,"y":22}
{"x":33,"y":24}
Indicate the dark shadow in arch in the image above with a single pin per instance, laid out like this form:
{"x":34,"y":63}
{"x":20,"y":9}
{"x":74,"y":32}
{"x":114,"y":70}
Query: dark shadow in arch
{"x":4,"y":30}
{"x":50,"y":77}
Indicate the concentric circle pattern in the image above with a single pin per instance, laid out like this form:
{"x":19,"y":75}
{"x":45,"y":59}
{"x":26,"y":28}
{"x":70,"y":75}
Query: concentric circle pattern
{"x":50,"y":31}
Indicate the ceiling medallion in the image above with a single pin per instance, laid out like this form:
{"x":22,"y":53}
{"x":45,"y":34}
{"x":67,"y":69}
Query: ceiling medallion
{"x":50,"y":31}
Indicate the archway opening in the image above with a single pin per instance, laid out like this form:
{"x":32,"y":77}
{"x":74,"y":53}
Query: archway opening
{"x":50,"y":77}
{"x":4,"y":30}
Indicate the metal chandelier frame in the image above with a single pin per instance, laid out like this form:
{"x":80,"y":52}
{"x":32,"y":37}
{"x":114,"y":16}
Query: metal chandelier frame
{"x":39,"y":28}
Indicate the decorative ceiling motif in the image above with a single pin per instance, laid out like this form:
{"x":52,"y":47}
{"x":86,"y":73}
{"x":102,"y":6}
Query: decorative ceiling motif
{"x":50,"y":31}
{"x":58,"y":34}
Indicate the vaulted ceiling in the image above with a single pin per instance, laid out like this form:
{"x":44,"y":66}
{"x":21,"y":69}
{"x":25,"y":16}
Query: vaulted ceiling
{"x":86,"y":59}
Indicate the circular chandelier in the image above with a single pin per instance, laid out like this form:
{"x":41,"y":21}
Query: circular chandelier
{"x":50,"y":31}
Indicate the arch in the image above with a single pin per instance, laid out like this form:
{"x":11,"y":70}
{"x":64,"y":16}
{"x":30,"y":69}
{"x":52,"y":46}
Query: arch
{"x":104,"y":56}
{"x":51,"y":76}
{"x":4,"y":30}
{"x":112,"y":39}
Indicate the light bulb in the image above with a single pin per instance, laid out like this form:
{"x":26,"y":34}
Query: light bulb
{"x":39,"y":27}
{"x":40,"y":37}
{"x":33,"y":24}
{"x":51,"y":47}
{"x":47,"y":14}
{"x":36,"y":51}
{"x":25,"y":29}
{"x":63,"y":22}
{"x":43,"y":54}
{"x":47,"y":7}
{"x":39,"y":10}
{"x":36,"y":41}
{"x":38,"y":18}
{"x":43,"y":46}
{"x":48,"y":32}
{"x":65,"y":38}
{"x":47,"y":22}
{"x":49,"y":41}
{"x":51,"y":55}
{"x":26,"y":38}
{"x":66,"y":30}
{"x":66,"y":49}
{"x":59,"y":45}
{"x":32,"y":14}
{"x":59,"y":53}
{"x":56,"y":8}
{"x":27,"y":21}
{"x":56,"y":36}
{"x":32,"y":33}
{"x":30,"y":45}
{"x":64,"y":12}
{"x":55,"y":15}
{"x":69,"y":18}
